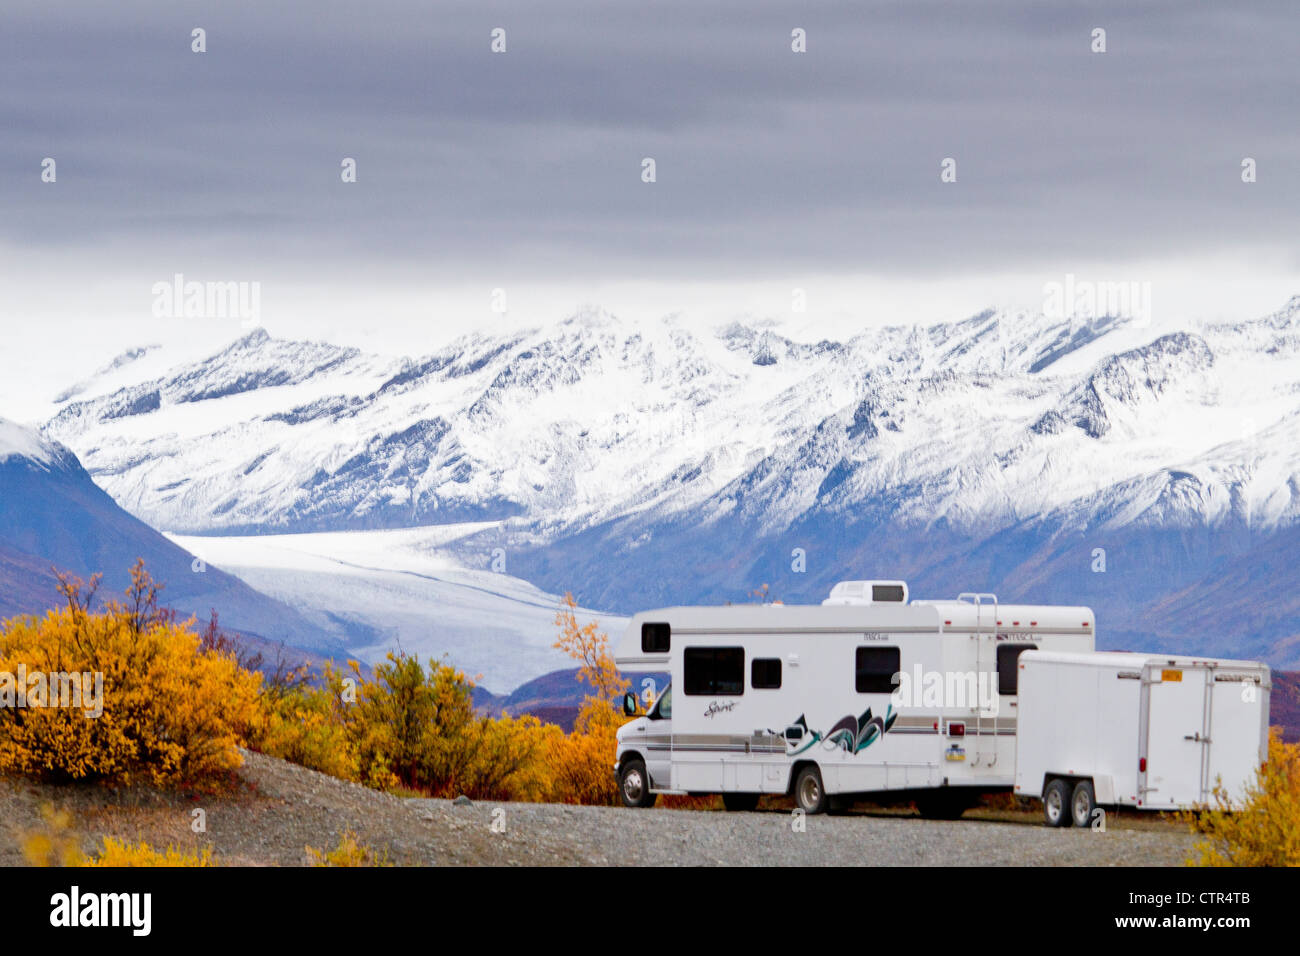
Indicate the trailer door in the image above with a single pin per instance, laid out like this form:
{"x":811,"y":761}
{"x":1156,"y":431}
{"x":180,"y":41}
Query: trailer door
{"x":1176,"y":735}
{"x":1235,"y":718}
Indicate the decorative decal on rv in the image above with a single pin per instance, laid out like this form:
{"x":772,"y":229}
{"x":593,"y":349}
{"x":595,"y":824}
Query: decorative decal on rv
{"x":851,"y":734}
{"x":715,"y":708}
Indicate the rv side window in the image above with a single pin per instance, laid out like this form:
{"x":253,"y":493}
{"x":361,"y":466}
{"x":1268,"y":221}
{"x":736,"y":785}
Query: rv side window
{"x":1008,"y":655}
{"x":715,"y":671}
{"x":765,"y":673}
{"x":875,"y":669}
{"x":655,"y":637}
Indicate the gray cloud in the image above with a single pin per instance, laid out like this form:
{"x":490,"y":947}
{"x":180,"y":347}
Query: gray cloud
{"x":766,"y":159}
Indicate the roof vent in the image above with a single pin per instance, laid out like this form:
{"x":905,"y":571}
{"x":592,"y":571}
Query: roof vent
{"x":868,"y":592}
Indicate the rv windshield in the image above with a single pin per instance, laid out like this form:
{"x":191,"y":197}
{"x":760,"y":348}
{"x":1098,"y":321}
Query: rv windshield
{"x":663,"y":709}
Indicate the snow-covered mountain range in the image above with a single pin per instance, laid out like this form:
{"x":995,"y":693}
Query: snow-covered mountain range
{"x":352,"y":594}
{"x":1141,"y":469}
{"x":54,"y":517}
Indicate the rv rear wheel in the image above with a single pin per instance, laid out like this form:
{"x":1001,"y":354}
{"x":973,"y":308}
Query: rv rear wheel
{"x":1082,"y":804}
{"x":809,"y":794}
{"x":744,"y":802}
{"x":1056,"y":803}
{"x":634,"y":784}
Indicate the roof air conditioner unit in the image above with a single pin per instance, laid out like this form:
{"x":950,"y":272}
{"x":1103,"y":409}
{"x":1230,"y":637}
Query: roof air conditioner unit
{"x":868,"y":592}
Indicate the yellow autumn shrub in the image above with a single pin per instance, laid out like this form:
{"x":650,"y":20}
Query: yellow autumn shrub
{"x":413,"y":728}
{"x":154,"y":706}
{"x":416,"y":728}
{"x":509,"y":760}
{"x":302,"y":726}
{"x":582,"y":762}
{"x":53,"y":842}
{"x":120,"y":853}
{"x":349,"y":852}
{"x":1266,"y":830}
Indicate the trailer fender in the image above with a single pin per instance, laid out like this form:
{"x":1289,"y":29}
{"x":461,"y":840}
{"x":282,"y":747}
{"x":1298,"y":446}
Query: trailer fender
{"x":1103,"y":785}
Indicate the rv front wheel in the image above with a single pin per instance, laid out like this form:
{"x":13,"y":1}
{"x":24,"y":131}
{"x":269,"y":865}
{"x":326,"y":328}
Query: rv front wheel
{"x":809,"y":793}
{"x":634,"y":785}
{"x":1082,"y":803}
{"x":1056,"y":803}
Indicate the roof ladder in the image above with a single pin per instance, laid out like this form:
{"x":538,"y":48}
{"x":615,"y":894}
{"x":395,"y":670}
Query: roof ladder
{"x":982,"y":599}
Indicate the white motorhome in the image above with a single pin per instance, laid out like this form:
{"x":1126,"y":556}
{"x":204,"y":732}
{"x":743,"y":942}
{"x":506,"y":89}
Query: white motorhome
{"x":869,"y":693}
{"x":1153,"y":731}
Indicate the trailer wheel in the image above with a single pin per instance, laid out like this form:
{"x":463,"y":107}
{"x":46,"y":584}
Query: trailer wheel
{"x":634,"y":784}
{"x":809,"y":793}
{"x":1056,"y":802}
{"x":1082,"y":803}
{"x":743,"y":802}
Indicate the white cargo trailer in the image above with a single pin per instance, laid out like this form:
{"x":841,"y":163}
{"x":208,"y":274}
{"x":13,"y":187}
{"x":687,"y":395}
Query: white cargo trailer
{"x":869,"y":693}
{"x":1154,"y":731}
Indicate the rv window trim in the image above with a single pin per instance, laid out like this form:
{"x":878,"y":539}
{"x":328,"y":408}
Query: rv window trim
{"x":688,"y":652}
{"x":857,"y":668}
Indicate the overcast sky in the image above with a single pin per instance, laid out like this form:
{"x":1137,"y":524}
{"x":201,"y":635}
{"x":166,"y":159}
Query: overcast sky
{"x":523,"y":170}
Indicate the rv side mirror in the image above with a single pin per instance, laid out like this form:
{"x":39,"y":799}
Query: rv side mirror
{"x":629,"y":704}
{"x":794,"y":733}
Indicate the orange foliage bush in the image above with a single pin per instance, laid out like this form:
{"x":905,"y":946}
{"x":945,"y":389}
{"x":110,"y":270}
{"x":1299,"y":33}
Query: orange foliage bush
{"x":116,"y":853}
{"x":170,"y":712}
{"x":303,"y":726}
{"x":176,"y":704}
{"x":1265,"y":831}
{"x":583,"y":760}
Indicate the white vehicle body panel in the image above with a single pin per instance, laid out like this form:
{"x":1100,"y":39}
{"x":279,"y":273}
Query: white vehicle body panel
{"x":1155,"y":731}
{"x":862,"y":741}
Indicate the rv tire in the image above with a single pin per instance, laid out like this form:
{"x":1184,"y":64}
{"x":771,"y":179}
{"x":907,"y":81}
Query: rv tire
{"x":1082,"y":802}
{"x":1056,"y":802}
{"x":809,"y":792}
{"x":634,"y":784}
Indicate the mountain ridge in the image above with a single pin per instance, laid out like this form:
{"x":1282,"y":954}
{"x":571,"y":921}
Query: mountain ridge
{"x":53,"y":516}
{"x":640,"y":461}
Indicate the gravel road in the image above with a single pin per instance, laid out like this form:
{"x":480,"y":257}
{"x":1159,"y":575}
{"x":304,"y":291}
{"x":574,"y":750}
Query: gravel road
{"x":281,"y":809}
{"x":604,"y":835}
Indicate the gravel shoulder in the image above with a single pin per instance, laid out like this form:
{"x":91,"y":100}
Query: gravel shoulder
{"x":280,"y":809}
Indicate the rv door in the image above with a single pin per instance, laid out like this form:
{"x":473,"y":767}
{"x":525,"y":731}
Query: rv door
{"x":659,"y":748}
